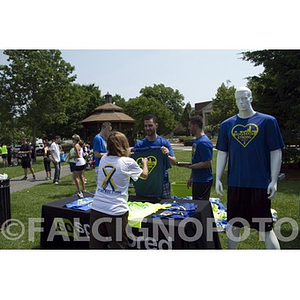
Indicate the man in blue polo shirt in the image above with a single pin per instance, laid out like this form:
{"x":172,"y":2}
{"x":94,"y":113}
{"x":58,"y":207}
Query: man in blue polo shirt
{"x":99,"y":145}
{"x":252,"y":143}
{"x":201,"y":178}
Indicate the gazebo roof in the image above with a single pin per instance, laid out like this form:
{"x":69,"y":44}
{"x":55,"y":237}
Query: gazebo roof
{"x":113,"y":117}
{"x":108,"y":112}
{"x":108,"y":107}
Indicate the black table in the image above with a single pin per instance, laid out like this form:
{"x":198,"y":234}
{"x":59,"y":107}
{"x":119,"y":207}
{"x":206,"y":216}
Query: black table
{"x":65,"y":228}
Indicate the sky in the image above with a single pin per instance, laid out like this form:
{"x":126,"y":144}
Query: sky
{"x":197,"y":74}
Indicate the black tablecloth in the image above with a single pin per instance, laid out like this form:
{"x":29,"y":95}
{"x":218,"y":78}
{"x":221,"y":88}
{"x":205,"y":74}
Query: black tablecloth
{"x":65,"y":228}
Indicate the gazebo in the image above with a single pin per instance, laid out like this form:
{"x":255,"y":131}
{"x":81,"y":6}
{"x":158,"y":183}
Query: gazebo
{"x":112,"y":113}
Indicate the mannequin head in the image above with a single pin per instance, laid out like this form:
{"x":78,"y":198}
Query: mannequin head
{"x":243,"y":98}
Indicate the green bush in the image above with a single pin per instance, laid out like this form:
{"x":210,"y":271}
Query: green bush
{"x":291,"y":156}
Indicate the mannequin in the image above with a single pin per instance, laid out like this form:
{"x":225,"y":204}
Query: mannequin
{"x":243,"y":141}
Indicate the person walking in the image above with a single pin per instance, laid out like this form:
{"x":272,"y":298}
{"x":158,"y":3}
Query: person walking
{"x":26,"y":162}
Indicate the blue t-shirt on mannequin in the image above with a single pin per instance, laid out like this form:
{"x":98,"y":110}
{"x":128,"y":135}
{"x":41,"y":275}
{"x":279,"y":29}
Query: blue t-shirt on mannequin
{"x":254,"y":137}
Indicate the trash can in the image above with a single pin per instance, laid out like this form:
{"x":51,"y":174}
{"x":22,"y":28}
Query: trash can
{"x":5,"y":213}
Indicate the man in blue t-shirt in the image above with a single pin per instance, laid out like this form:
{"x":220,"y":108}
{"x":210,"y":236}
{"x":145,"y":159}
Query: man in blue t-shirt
{"x":252,"y":143}
{"x":99,"y":145}
{"x":153,"y":140}
{"x":201,"y":178}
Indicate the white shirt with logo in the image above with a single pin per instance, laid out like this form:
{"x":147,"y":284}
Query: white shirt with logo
{"x":112,"y":184}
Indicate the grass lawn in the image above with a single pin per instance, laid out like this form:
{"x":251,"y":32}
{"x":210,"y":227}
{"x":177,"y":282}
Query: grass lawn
{"x":28,"y":204}
{"x":17,"y":171}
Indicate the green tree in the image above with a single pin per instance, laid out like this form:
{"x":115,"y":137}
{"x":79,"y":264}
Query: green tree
{"x":36,"y":84}
{"x":119,"y":100}
{"x":93,"y":98}
{"x":82,"y":100}
{"x":186,"y":115}
{"x":223,"y":107}
{"x":276,"y":91}
{"x":171,"y":98}
{"x":142,"y":106}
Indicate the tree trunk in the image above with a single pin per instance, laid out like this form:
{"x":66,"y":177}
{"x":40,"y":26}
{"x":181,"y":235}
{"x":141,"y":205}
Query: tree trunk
{"x":33,"y":144}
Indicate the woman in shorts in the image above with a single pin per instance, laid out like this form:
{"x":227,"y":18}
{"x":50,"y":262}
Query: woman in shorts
{"x":79,"y":165}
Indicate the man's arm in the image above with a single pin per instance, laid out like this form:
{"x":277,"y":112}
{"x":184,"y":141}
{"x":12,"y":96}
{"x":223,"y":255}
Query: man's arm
{"x":99,"y":148}
{"x":168,"y":150}
{"x":53,"y":157}
{"x":172,"y":160}
{"x":199,"y":165}
{"x":98,"y":154}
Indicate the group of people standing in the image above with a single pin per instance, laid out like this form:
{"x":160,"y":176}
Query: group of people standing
{"x":52,"y":152}
{"x":76,"y":161}
{"x":250,"y":141}
{"x":115,"y":168}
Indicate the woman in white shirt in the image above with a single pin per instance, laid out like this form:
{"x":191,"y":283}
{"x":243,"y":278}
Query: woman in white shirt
{"x":79,"y":165}
{"x":109,"y":211}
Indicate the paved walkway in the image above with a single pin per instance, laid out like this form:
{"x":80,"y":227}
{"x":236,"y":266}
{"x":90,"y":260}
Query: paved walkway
{"x":16,"y":184}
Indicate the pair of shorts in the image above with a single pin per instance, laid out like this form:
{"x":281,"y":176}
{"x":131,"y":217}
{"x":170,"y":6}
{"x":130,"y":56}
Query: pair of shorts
{"x":47,"y":164}
{"x":166,"y":190}
{"x":72,"y":166}
{"x":201,"y":191}
{"x":249,"y":207}
{"x":79,"y":168}
{"x":26,"y":163}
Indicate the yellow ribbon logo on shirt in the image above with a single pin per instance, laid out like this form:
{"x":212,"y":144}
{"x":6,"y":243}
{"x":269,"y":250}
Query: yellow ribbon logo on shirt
{"x":244,"y":134}
{"x":108,"y":171}
{"x":152,"y":162}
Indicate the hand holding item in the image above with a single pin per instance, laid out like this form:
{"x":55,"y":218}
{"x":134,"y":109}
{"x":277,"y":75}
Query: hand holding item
{"x":183,"y":164}
{"x":145,"y":161}
{"x":165,"y":150}
{"x":145,"y":167}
